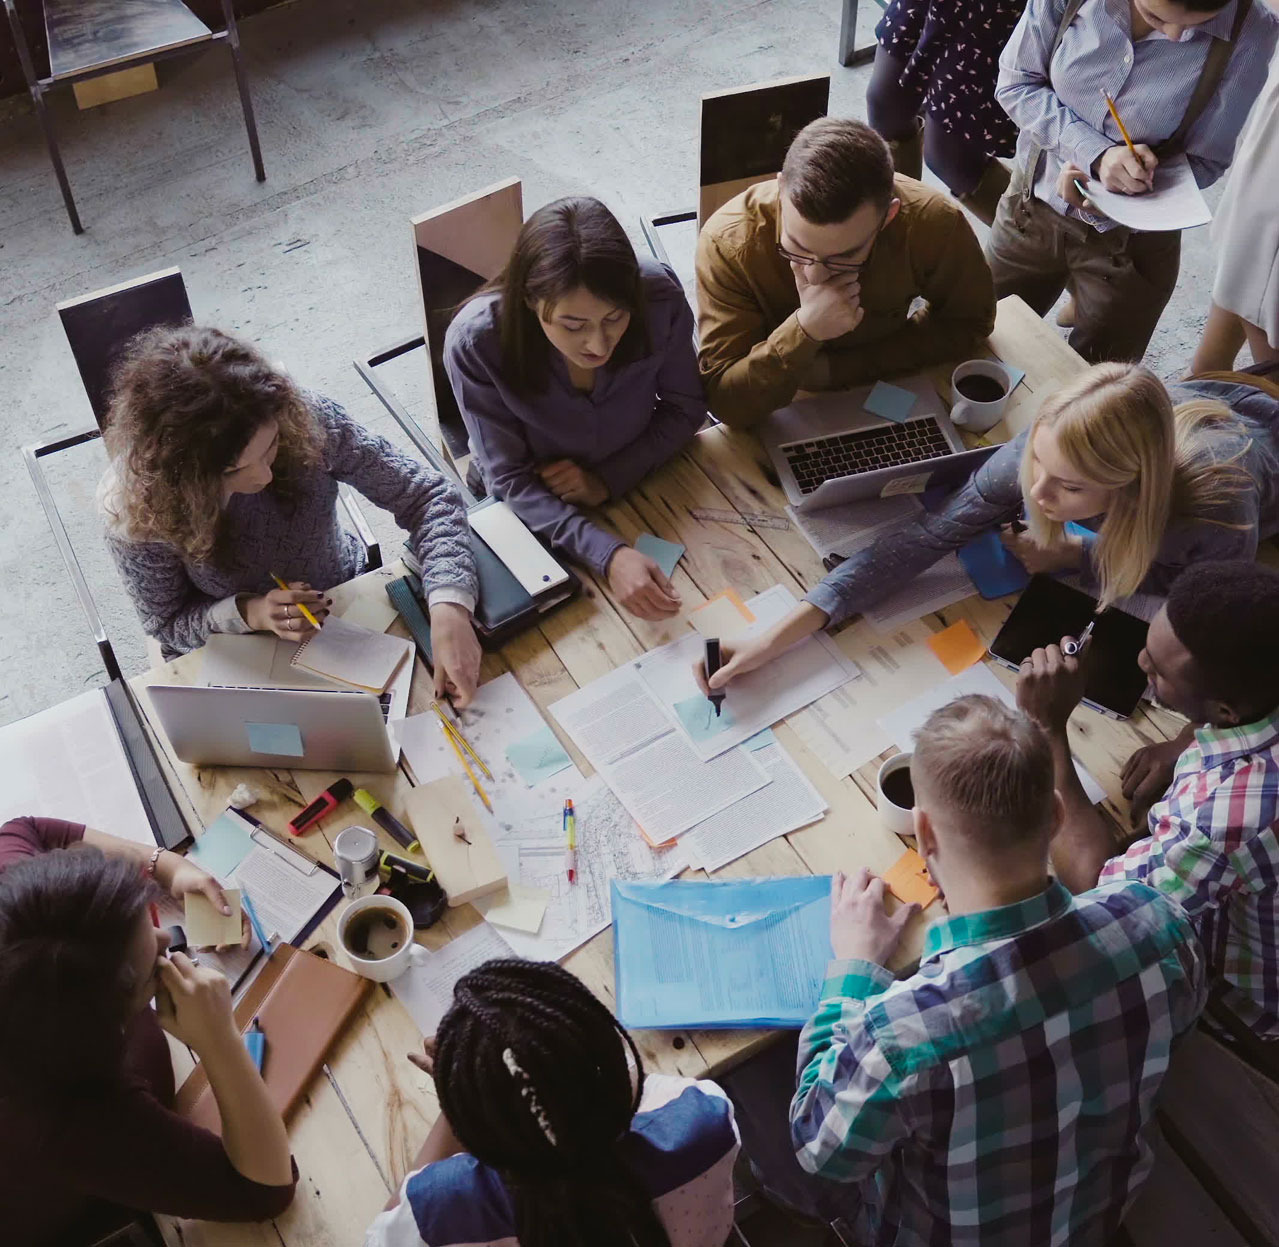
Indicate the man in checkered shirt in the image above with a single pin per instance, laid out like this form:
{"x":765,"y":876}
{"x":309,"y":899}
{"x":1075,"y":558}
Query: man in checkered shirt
{"x":1001,"y":1094}
{"x":1212,"y":653}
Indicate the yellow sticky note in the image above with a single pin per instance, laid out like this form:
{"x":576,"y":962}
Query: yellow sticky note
{"x":908,"y":880}
{"x":372,"y":611}
{"x":519,"y":908}
{"x":724,"y":616}
{"x":958,"y":647}
{"x":207,"y":927}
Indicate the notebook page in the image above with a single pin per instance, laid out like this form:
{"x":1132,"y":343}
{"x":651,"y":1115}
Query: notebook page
{"x":352,"y":655}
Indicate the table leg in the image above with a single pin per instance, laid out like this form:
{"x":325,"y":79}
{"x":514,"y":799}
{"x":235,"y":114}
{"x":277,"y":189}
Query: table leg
{"x":242,"y":82}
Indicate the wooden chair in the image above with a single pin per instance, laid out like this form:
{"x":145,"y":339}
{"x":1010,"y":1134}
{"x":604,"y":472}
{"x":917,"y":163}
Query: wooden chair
{"x":743,"y":139}
{"x":90,"y":38}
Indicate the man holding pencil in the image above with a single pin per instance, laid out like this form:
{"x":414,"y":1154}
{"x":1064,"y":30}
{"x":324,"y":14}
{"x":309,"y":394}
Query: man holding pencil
{"x":1103,"y":91}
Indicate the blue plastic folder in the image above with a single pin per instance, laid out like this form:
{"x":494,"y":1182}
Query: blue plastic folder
{"x":734,"y":952}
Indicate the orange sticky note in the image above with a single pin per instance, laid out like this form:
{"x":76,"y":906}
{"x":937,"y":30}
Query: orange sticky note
{"x":908,"y":880}
{"x":957,"y":646}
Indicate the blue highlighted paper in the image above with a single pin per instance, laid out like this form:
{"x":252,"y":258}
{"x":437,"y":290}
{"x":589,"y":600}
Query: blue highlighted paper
{"x":700,"y":721}
{"x":226,"y":842}
{"x":993,"y":569}
{"x":538,"y":756}
{"x":890,"y":401}
{"x":278,"y":738}
{"x":736,"y":952}
{"x":664,"y":553}
{"x":761,"y":740}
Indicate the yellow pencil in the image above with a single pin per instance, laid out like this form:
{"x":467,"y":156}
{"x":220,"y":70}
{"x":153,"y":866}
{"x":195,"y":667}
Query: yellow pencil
{"x":1123,"y":129}
{"x":306,"y":614}
{"x":461,"y":740}
{"x":461,"y":757}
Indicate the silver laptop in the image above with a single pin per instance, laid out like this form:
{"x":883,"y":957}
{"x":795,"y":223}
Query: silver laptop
{"x":302,"y":729}
{"x":829,"y":450}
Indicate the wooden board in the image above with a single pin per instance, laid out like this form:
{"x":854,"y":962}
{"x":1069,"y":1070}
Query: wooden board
{"x":118,"y":86}
{"x":91,"y":34}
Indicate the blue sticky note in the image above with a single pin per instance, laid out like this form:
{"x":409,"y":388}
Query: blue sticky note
{"x":664,"y":553}
{"x":994,"y":570}
{"x":1016,"y":376}
{"x":889,"y":401}
{"x":700,"y":721}
{"x":278,"y":738}
{"x":226,"y":842}
{"x":761,"y":740}
{"x":538,"y":756}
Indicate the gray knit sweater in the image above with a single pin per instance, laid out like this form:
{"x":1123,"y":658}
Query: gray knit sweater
{"x":180,"y":603}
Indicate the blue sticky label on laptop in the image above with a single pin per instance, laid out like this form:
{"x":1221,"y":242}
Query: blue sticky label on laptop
{"x":890,"y":401}
{"x":278,"y":738}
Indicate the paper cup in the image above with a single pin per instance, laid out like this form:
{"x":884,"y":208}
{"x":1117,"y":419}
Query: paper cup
{"x":382,"y":930}
{"x":898,"y":818}
{"x":977,"y":415}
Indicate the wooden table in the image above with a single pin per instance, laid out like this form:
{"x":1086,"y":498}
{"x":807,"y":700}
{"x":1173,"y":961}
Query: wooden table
{"x":362,"y":1123}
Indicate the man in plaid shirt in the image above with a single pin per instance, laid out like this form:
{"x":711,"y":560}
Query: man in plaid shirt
{"x":1212,"y":653}
{"x":1001,"y":1094}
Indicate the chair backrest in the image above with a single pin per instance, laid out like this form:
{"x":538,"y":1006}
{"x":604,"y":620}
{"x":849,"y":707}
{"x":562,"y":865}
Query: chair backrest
{"x":99,"y":325}
{"x":459,"y":247}
{"x":746,"y":131}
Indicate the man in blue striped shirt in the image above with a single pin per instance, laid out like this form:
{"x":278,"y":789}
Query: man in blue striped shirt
{"x":1183,"y":75}
{"x":1002,"y":1093}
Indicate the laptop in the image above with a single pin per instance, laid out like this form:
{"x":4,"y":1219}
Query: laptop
{"x":299,"y":729}
{"x":828,"y":450}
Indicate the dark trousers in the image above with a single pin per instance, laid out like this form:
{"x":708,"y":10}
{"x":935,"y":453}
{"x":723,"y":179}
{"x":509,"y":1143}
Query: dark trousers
{"x":1121,"y":280}
{"x":892,"y":112}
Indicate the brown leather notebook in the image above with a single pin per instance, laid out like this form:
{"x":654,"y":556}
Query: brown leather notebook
{"x":303,"y":1003}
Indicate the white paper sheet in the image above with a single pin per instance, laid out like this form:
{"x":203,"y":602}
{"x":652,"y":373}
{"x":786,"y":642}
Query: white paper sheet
{"x":758,"y":699}
{"x":658,"y":777}
{"x":788,"y":803}
{"x":902,"y":723}
{"x":68,"y":762}
{"x":844,"y":529}
{"x":1176,"y":201}
{"x":349,"y":654}
{"x":425,"y":989}
{"x":609,"y":846}
{"x":942,"y":584}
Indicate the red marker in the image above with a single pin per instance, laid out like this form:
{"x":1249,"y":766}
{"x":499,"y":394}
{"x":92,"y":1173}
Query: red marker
{"x":570,"y":855}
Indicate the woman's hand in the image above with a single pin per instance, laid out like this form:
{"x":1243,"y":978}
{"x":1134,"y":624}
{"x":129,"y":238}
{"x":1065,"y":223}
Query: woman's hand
{"x":1066,"y":555}
{"x":572,"y":483}
{"x":179,"y":876}
{"x":640,"y":585}
{"x":737,"y":659}
{"x":425,"y":1062}
{"x":194,"y":1003}
{"x":278,"y":611}
{"x":455,"y":653}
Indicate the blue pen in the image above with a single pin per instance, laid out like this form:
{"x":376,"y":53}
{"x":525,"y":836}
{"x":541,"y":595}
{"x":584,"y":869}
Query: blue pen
{"x":253,"y":921}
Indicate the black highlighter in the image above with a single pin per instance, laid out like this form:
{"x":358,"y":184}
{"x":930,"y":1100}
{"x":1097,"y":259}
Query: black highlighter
{"x":713,"y":663}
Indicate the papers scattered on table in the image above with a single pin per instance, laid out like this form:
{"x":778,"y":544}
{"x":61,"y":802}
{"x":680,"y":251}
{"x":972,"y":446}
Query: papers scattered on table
{"x":748,"y":952}
{"x":350,"y":654}
{"x":538,"y":756}
{"x":1175,"y":202}
{"x":902,"y":723}
{"x":724,"y":616}
{"x":942,"y":584}
{"x":425,"y":989}
{"x":666,"y":554}
{"x":846,"y":529}
{"x":519,"y":907}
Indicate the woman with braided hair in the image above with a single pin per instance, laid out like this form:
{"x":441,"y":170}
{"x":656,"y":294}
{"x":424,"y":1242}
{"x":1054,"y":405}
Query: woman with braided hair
{"x":551,"y":1135}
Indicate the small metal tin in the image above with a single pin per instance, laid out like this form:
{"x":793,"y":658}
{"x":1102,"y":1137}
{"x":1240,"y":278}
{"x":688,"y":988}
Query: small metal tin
{"x":356,"y":851}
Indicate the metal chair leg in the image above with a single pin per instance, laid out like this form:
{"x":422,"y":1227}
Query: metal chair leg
{"x":849,"y":53}
{"x":242,"y":81}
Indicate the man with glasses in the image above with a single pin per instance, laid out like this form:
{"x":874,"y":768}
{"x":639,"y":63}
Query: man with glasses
{"x":807,"y":282}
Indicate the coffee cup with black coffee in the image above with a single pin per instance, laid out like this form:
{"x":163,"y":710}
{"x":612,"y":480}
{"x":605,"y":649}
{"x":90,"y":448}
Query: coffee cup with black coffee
{"x":981,"y":388}
{"x":376,"y":934}
{"x":895,"y":795}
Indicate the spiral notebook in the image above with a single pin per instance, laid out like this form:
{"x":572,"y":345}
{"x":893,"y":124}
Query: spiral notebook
{"x":350,"y":654}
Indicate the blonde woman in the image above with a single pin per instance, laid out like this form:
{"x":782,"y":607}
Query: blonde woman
{"x":1163,"y":478}
{"x":224,"y":471}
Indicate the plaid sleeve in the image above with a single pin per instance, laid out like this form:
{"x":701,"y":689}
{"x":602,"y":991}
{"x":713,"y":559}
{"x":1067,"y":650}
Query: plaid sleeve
{"x":845,"y":1116}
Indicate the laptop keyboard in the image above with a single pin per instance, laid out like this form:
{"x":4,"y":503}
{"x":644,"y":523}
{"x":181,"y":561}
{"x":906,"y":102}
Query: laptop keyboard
{"x":383,"y":699}
{"x":864,"y":450}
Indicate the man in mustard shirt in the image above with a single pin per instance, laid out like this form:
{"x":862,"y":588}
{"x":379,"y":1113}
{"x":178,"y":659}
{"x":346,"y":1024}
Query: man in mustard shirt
{"x":807,"y":282}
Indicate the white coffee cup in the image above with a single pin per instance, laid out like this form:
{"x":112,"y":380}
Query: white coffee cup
{"x":389,"y":949}
{"x":898,"y":818}
{"x":972,"y":414}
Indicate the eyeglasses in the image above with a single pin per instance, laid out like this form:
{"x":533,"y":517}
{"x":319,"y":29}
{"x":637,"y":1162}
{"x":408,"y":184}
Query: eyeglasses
{"x":833,"y":262}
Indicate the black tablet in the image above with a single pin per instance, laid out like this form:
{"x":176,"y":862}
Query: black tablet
{"x":1049,"y":610}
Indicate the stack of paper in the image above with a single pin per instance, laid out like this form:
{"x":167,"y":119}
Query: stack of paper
{"x":350,"y":654}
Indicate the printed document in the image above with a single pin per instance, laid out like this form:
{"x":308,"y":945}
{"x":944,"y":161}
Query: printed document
{"x":1176,"y":201}
{"x":425,"y":989}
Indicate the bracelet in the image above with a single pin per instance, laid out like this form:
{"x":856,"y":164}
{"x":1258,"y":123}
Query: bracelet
{"x":155,"y":857}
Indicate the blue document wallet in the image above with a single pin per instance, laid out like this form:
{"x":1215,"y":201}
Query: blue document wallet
{"x":723,"y":953}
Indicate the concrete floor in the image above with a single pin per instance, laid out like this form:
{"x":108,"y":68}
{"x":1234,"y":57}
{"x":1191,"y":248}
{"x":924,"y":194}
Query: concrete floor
{"x":369,"y":111}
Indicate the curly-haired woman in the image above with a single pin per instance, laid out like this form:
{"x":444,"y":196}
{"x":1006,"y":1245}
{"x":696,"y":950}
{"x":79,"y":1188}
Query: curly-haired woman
{"x":223,"y":471}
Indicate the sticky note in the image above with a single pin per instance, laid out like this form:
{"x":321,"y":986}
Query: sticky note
{"x":700,"y":721}
{"x":372,"y":611}
{"x":520,"y":908}
{"x":908,"y":880}
{"x":993,"y":568}
{"x":226,"y":842}
{"x":958,"y":647}
{"x":1015,"y":376}
{"x":889,"y":401}
{"x":724,"y":616}
{"x":205,"y":926}
{"x":538,"y":756}
{"x":277,"y":738}
{"x":761,"y":740}
{"x":664,"y":553}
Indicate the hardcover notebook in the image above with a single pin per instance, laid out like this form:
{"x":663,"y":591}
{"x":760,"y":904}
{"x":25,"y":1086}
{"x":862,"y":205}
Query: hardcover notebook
{"x":352,"y":655}
{"x":303,"y":1003}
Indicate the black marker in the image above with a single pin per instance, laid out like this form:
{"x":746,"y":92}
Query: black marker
{"x":713,"y":663}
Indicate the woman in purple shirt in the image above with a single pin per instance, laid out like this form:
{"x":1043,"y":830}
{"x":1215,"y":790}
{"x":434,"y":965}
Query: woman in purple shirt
{"x":576,"y":376}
